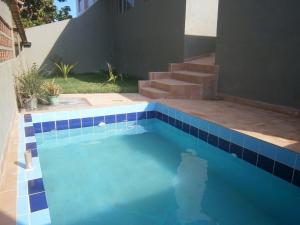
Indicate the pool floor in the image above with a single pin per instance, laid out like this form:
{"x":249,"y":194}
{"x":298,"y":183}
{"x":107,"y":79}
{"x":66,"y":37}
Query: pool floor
{"x":150,"y":173}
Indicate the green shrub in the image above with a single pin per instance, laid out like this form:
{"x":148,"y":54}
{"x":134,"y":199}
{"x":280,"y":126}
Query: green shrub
{"x":64,"y":69}
{"x":29,"y":85}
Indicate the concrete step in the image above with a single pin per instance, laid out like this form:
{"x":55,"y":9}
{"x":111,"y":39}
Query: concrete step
{"x":179,"y":89}
{"x":159,"y":75}
{"x":152,"y":92}
{"x":169,"y":84}
{"x":193,"y":67}
{"x":193,"y":77}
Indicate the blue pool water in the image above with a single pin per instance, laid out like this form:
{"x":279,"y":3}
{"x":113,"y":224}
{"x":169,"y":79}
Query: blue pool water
{"x":150,"y":173}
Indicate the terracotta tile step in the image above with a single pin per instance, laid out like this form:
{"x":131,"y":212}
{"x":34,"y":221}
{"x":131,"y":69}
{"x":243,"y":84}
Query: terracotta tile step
{"x":152,"y":92}
{"x":193,"y":77}
{"x":171,"y":84}
{"x":193,"y":67}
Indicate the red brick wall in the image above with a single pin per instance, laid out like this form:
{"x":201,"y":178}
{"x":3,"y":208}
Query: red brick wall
{"x":5,"y":55}
{"x":6,"y":43}
{"x":4,"y":27}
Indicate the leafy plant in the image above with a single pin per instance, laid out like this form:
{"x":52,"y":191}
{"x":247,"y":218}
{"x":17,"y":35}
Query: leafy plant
{"x":111,"y":75}
{"x":65,"y":69}
{"x":51,"y":88}
{"x":29,"y":84}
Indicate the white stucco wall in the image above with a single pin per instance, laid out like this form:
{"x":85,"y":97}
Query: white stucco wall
{"x":201,"y":17}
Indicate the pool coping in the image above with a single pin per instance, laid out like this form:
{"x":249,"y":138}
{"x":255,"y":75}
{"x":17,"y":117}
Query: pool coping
{"x":33,"y":207}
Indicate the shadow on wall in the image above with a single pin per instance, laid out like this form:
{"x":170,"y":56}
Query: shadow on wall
{"x":135,"y":42}
{"x":149,"y":36}
{"x":84,"y":40}
{"x":198,"y":45}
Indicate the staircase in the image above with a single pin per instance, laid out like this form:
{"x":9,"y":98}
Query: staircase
{"x":195,"y":79}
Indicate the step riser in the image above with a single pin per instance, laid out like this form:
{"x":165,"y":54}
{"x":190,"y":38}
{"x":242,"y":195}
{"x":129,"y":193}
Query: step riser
{"x":144,"y":83}
{"x":159,"y":75}
{"x":182,"y":91}
{"x":187,"y":93}
{"x":160,"y":86}
{"x":193,"y":67}
{"x":191,"y":93}
{"x":171,"y":88}
{"x":191,"y":78}
{"x":151,"y":94}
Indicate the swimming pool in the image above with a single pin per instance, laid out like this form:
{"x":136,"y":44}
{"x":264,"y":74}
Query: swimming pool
{"x":151,"y":164}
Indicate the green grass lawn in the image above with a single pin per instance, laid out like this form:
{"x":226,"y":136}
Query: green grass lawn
{"x":94,"y":83}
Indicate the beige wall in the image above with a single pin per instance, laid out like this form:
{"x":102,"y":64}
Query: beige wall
{"x":201,"y":17}
{"x":85,"y":40}
{"x":5,"y":13}
{"x":42,"y":38}
{"x":8,"y":105}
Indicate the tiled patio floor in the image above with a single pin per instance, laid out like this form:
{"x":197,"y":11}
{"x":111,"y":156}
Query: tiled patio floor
{"x":273,"y":127}
{"x":279,"y":129}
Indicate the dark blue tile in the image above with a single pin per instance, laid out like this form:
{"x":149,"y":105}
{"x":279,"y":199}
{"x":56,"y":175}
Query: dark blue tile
{"x":203,"y":135}
{"x":236,"y":149}
{"x":194,"y":131}
{"x":296,"y":178}
{"x":38,"y":202}
{"x":75,"y":123}
{"x":165,"y":118}
{"x":35,"y":186}
{"x":151,"y":114}
{"x":159,"y":115}
{"x":98,"y":120}
{"x":186,"y":128}
{"x":178,"y":124}
{"x":37,"y":128}
{"x":249,"y":156}
{"x":213,"y":140}
{"x":29,"y":131}
{"x":62,"y":124}
{"x":121,"y":118}
{"x":87,"y":122}
{"x":34,"y":153}
{"x":27,"y":118}
{"x":223,"y":144}
{"x":110,"y":119}
{"x":48,"y":126}
{"x":31,"y":145}
{"x":265,"y":163}
{"x":171,"y":121}
{"x":283,"y":171}
{"x":141,"y":115}
{"x":131,"y":116}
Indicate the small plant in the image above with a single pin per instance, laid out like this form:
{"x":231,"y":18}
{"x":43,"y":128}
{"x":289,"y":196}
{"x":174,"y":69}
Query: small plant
{"x":51,"y":88}
{"x":111,"y":76}
{"x":52,"y":92}
{"x":29,"y":87}
{"x":64,"y":69}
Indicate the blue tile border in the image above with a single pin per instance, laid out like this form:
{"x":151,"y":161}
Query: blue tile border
{"x":35,"y":186}
{"x":31,"y":196}
{"x":278,"y":161}
{"x":257,"y":152}
{"x":38,"y":202}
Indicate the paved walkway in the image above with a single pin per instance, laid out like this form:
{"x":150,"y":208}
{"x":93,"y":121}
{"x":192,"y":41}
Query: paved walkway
{"x":273,"y":127}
